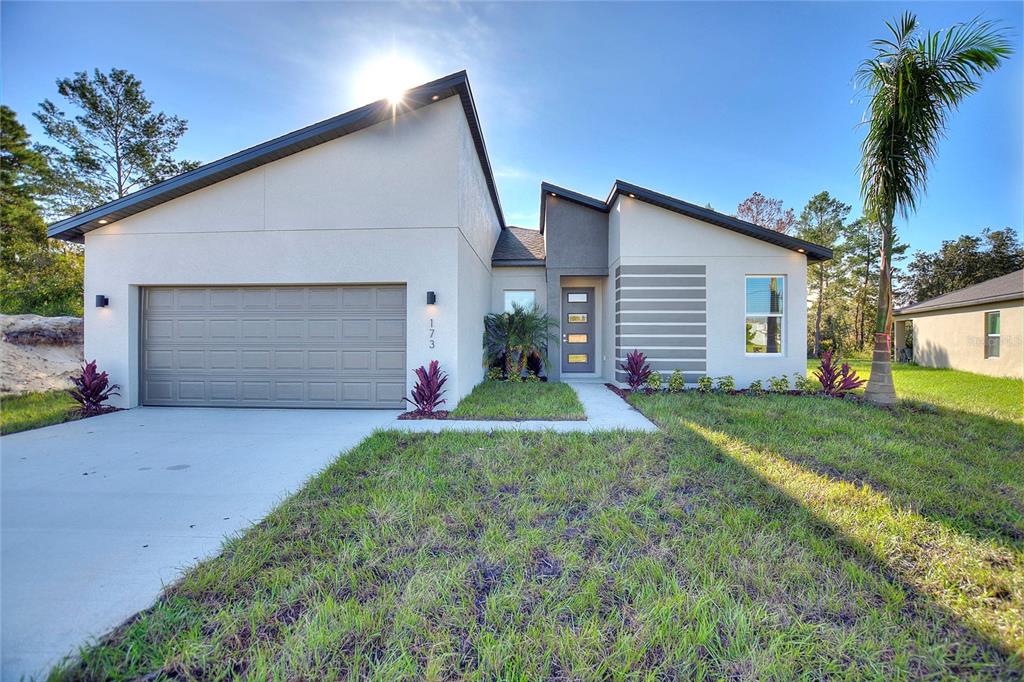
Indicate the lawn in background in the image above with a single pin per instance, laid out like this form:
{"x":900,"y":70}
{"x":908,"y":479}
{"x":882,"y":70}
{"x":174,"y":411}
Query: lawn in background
{"x":33,"y":410}
{"x":521,"y":400}
{"x":755,"y":538}
{"x":994,"y":396}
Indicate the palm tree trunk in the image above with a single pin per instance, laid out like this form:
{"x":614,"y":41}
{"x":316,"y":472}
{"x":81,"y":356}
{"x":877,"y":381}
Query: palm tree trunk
{"x":880,"y":389}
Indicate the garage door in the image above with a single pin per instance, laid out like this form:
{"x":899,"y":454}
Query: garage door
{"x":322,"y":346}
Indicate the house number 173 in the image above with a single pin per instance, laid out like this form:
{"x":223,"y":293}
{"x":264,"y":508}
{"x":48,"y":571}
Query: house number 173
{"x":430,"y":342}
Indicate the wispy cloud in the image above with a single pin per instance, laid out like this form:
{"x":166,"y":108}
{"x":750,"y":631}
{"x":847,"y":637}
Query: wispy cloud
{"x":512,"y":173}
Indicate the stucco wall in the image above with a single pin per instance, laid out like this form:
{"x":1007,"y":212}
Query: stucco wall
{"x":388,"y":204}
{"x":575,"y":237}
{"x":956,"y":338}
{"x":518,"y":278}
{"x":649,"y":235}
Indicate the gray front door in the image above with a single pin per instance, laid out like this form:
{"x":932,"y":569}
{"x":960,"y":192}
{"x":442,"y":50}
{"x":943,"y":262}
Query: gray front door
{"x":274,"y":346}
{"x":577,"y":329}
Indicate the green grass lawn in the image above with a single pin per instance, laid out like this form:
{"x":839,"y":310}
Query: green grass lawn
{"x":525,"y":400}
{"x":976,"y":393}
{"x":753,"y":538}
{"x":32,"y":410}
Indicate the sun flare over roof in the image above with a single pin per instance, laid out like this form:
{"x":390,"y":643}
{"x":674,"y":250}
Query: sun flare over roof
{"x":388,"y":77}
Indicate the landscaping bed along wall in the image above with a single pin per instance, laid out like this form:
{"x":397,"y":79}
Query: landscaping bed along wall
{"x":39,"y":353}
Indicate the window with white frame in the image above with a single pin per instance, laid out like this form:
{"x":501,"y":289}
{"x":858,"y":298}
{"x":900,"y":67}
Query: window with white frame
{"x":524,"y":298}
{"x":992,"y":335}
{"x":765,"y":296}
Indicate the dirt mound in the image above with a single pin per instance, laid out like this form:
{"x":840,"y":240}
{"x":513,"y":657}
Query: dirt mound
{"x":38,"y":353}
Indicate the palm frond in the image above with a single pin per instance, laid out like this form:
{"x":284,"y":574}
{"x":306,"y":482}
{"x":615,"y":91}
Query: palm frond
{"x":913,"y":83}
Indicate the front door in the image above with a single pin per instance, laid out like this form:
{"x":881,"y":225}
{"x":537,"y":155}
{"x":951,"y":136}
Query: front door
{"x":577,"y":329}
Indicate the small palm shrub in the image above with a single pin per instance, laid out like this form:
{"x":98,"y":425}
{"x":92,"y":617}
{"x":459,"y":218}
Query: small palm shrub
{"x":756,"y":387}
{"x":495,"y":374}
{"x":705,"y":384}
{"x":91,"y":390}
{"x":726,"y":383}
{"x":654,"y":382}
{"x":677,"y":382}
{"x":836,"y":381}
{"x":779,"y":384}
{"x":426,"y":393}
{"x":531,"y":377}
{"x":515,"y":336}
{"x":637,"y":370}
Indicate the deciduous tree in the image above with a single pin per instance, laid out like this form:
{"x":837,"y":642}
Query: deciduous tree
{"x":961,"y":262}
{"x":766,"y":212}
{"x":36,"y":275}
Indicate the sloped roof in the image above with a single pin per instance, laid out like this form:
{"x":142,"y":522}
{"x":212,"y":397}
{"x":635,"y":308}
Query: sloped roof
{"x":1005,"y":288}
{"x":519,"y":246}
{"x":814,"y":252}
{"x":456,"y":84}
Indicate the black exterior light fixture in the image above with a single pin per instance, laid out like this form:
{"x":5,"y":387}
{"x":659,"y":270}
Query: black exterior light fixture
{"x":102,"y":301}
{"x":431,"y":298}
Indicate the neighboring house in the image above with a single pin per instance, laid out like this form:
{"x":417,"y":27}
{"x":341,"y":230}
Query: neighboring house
{"x":320,"y":268}
{"x":977,"y":329}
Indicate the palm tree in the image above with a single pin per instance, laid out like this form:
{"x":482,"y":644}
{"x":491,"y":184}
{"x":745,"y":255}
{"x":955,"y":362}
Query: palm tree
{"x":514,"y":335}
{"x":531,"y":333}
{"x":914,"y":82}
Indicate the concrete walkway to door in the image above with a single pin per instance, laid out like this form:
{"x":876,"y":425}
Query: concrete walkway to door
{"x":605,"y":412}
{"x":99,"y":514}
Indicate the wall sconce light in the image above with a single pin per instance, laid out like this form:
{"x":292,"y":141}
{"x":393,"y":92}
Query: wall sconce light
{"x":431,"y":298}
{"x":102,"y":301}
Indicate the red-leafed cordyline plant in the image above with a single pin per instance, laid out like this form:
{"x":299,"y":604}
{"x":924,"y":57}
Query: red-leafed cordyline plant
{"x":836,"y":381}
{"x":429,"y":387}
{"x":637,"y":370}
{"x":92,"y":389}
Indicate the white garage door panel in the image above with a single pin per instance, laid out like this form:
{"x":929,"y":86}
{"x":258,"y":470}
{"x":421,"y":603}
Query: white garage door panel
{"x":326,"y":346}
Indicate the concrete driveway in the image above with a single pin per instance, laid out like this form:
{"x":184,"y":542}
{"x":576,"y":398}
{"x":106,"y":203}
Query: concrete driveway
{"x":98,"y":515}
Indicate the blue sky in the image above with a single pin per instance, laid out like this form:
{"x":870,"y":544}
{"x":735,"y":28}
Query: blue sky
{"x":707,"y":102}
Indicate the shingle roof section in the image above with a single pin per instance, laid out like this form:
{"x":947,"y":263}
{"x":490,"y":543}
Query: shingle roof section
{"x":519,"y":246}
{"x":1005,"y":288}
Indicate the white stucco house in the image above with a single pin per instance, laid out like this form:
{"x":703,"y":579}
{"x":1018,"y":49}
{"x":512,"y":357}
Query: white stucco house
{"x":320,"y":268}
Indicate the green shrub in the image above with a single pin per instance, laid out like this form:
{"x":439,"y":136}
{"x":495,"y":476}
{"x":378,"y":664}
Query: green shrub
{"x":654,"y":381}
{"x":756,"y":387}
{"x":495,"y":374}
{"x":804,"y":384}
{"x":779,"y":384}
{"x":704,"y":384}
{"x":532,"y":377}
{"x":677,"y":382}
{"x":726,"y":383}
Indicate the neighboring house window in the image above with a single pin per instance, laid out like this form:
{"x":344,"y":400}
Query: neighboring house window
{"x":523,"y":298}
{"x":765,"y":298}
{"x":991,"y":335}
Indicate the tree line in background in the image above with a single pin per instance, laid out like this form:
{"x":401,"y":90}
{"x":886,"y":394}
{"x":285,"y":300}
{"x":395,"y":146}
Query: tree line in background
{"x":109,"y":144}
{"x":843,"y":291}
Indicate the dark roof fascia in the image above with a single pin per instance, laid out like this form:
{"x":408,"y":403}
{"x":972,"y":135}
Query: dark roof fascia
{"x":518,"y":263}
{"x":73,"y":229}
{"x":547,"y":189}
{"x":925,"y":308}
{"x":813,"y":251}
